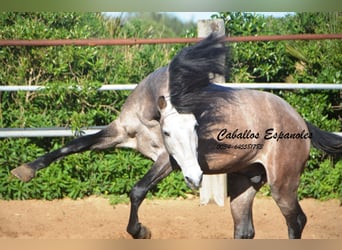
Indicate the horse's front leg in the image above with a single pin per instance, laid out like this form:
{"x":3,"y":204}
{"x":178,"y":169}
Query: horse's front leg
{"x":160,"y":169}
{"x":242,"y":190}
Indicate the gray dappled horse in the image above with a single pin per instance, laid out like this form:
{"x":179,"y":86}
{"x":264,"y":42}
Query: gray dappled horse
{"x":254,"y":136}
{"x":138,"y":127}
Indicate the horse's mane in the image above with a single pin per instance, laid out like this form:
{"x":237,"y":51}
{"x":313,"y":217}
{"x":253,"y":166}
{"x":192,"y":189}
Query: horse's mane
{"x":191,"y":74}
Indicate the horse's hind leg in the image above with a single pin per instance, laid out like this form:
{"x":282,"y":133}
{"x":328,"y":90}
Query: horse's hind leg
{"x":106,"y":138}
{"x":242,"y":190}
{"x":284,"y":192}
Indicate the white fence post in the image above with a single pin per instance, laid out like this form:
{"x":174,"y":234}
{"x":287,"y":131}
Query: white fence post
{"x":214,"y":187}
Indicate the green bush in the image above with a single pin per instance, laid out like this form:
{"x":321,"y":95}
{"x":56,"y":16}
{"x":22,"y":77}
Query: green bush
{"x":62,"y":104}
{"x":323,"y":182}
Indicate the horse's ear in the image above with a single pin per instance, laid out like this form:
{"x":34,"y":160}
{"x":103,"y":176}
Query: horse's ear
{"x":162,"y":102}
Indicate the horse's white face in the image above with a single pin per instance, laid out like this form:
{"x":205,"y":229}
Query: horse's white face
{"x":181,"y":141}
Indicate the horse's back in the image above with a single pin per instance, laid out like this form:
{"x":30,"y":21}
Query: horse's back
{"x":254,"y":127}
{"x":285,"y":133}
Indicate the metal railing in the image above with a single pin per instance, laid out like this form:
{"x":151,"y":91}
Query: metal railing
{"x":62,"y":132}
{"x":140,"y":41}
{"x":67,"y":132}
{"x":106,"y":87}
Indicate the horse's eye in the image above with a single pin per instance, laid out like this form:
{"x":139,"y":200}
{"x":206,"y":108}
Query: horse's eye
{"x":166,"y":133}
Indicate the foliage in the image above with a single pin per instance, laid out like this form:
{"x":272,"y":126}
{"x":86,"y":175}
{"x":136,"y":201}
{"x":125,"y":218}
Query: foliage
{"x":62,"y":104}
{"x":322,"y":183}
{"x":296,"y":62}
{"x":61,"y":70}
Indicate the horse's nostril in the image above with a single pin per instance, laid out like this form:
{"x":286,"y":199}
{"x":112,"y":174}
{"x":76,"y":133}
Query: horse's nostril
{"x":191,"y":183}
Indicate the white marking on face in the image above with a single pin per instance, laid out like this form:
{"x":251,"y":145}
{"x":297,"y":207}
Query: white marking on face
{"x":181,"y":141}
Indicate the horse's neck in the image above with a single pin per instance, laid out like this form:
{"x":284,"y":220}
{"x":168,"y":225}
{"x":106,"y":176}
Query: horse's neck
{"x":142,"y":102}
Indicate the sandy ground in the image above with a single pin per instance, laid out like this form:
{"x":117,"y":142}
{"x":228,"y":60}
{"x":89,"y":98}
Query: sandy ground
{"x":95,"y":218}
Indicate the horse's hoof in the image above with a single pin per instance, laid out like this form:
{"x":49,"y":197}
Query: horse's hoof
{"x":24,"y":173}
{"x":144,"y":233}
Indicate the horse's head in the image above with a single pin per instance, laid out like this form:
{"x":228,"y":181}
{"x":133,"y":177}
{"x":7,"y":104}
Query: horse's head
{"x":181,"y":140}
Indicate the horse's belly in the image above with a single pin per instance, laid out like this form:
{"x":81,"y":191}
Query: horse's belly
{"x":227,"y":157}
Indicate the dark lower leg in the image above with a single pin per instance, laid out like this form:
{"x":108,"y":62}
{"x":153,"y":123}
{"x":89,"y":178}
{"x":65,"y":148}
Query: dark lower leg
{"x":242,"y":194}
{"x":27,"y":171}
{"x":293,"y":213}
{"x":295,"y":220}
{"x":242,"y":216}
{"x":160,"y":169}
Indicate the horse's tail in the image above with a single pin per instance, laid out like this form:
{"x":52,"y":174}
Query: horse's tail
{"x":328,"y":142}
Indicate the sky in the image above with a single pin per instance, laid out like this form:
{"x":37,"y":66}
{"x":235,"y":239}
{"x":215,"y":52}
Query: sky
{"x":195,"y":16}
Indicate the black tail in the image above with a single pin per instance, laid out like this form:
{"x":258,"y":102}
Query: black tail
{"x":325,"y":141}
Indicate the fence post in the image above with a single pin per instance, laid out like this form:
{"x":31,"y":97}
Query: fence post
{"x":214,"y":187}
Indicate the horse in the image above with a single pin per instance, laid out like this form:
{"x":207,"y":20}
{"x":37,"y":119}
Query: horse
{"x":254,"y":136}
{"x":138,"y":127}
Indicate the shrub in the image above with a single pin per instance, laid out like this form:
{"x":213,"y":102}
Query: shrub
{"x":61,"y":104}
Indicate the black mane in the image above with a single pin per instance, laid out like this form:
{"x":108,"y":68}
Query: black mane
{"x":190,"y":72}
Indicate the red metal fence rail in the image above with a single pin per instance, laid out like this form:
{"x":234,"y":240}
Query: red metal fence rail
{"x":6,"y":132}
{"x":138,"y":41}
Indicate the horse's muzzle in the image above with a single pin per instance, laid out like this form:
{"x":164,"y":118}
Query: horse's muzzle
{"x":193,"y":183}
